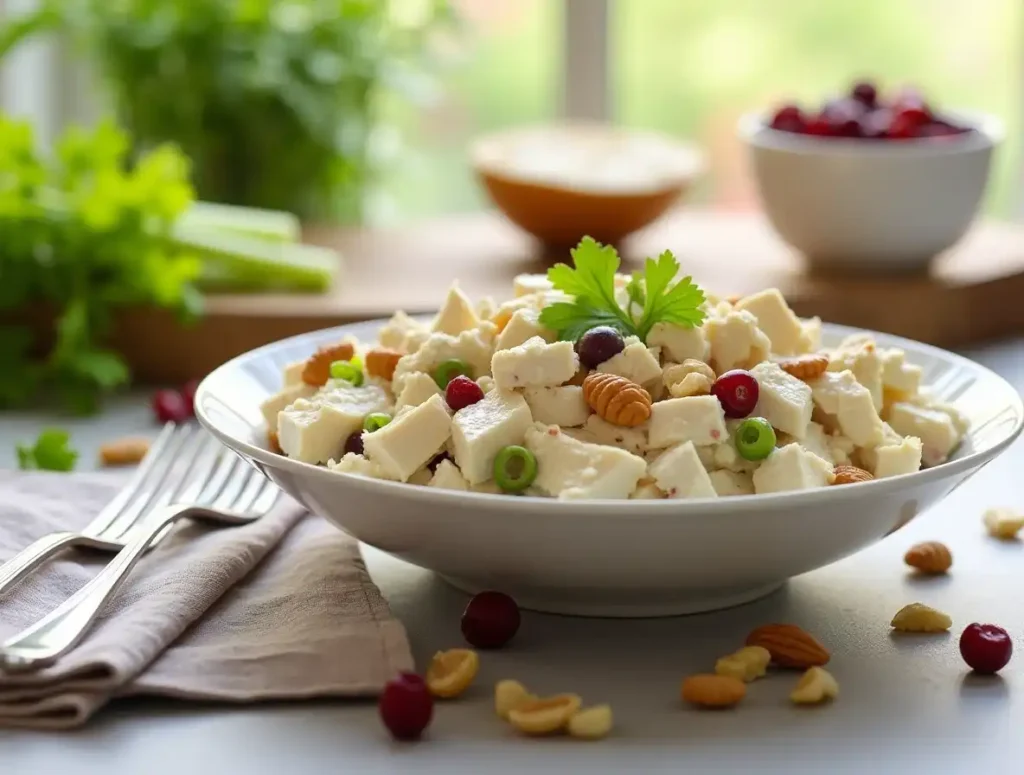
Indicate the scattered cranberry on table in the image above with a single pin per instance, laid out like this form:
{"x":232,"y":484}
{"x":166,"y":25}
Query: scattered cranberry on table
{"x":598,"y":345}
{"x":170,"y":406}
{"x":864,"y":113}
{"x":462,"y":392}
{"x":737,"y":391}
{"x":986,"y":648}
{"x":188,"y":392}
{"x":406,"y":706}
{"x":490,"y":620}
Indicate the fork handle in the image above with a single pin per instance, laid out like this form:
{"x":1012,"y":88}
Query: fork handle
{"x":34,"y":555}
{"x":63,"y":628}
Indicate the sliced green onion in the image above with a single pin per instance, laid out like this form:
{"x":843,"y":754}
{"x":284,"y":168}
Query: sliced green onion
{"x":755,"y":438}
{"x":515,"y":468}
{"x":449,"y":370}
{"x":347,"y":371}
{"x":375,"y":421}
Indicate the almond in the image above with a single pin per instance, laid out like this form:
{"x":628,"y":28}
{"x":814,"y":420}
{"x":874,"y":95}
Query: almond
{"x":124,"y":452}
{"x":851,"y":475}
{"x":929,"y":557}
{"x":805,"y":367}
{"x":713,"y":691}
{"x":381,"y":362}
{"x":617,"y":399}
{"x":789,"y":645}
{"x":317,"y":369}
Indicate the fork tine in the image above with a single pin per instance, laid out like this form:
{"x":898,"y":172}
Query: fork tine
{"x":199,"y":471}
{"x":232,"y":486}
{"x":154,"y":483}
{"x":228,"y":461}
{"x":249,"y":493}
{"x":266,"y":499}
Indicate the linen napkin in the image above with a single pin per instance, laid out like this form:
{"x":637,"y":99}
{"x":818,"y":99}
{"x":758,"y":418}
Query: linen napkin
{"x":280,"y":608}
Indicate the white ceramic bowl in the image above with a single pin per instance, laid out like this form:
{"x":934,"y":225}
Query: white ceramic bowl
{"x":612,"y":558}
{"x":871,"y":205}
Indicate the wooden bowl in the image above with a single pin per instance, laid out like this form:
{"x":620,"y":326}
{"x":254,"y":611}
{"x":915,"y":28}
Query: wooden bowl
{"x":565,"y":181}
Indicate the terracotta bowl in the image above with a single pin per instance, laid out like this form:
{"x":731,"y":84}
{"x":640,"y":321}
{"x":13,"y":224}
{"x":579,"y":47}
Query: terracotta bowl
{"x":565,"y":181}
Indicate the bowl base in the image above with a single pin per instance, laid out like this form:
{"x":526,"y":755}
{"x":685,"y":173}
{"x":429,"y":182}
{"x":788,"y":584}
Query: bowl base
{"x":620,"y":604}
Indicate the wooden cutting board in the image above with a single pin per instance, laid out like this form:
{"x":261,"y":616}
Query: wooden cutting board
{"x":973,"y":293}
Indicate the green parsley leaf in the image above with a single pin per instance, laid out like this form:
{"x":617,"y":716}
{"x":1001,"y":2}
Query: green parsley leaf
{"x":635,"y":290}
{"x":51,"y":452}
{"x":678,"y":304}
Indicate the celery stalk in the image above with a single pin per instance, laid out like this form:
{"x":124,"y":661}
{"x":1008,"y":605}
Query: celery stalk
{"x":248,"y":221}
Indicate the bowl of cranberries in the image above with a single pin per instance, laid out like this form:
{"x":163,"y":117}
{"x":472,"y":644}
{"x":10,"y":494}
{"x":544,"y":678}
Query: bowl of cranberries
{"x":871,"y":181}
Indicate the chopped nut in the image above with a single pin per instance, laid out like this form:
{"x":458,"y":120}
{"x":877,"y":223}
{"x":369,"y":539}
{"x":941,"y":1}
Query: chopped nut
{"x":317,"y":369}
{"x":929,"y":557}
{"x":617,"y":399}
{"x":591,"y":723}
{"x":789,"y":645}
{"x":851,"y":475}
{"x":124,"y":452}
{"x":815,"y":686}
{"x":713,"y":691}
{"x":676,"y":373}
{"x":274,"y":443}
{"x":1003,"y":523}
{"x":509,"y":695}
{"x":544,"y":716}
{"x":381,"y":362}
{"x":917,"y":617}
{"x":691,"y":385}
{"x":451,"y":672}
{"x":747,"y":664}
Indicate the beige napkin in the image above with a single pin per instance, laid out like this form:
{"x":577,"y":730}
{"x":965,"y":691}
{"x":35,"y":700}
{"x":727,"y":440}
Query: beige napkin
{"x":281,"y":608}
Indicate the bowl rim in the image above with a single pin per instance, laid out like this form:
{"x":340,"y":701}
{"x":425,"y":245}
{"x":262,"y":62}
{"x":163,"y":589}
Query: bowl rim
{"x":637,"y":508}
{"x":989,"y":131}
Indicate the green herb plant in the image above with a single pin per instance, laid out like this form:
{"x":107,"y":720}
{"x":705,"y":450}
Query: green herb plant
{"x":82,"y":233}
{"x":51,"y":452}
{"x":275,"y":101}
{"x":654,"y":295}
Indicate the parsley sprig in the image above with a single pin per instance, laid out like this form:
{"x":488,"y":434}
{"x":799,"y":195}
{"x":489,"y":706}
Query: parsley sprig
{"x":50,"y":452}
{"x":652,"y":294}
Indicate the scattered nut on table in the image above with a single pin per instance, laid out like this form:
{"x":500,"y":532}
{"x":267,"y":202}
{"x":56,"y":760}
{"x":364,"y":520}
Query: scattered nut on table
{"x":545,"y":716}
{"x":1003,"y":523}
{"x":591,"y":723}
{"x":451,"y":672}
{"x":918,"y":617}
{"x":815,"y":686}
{"x":509,"y":695}
{"x":124,"y":452}
{"x":932,"y":557}
{"x":713,"y":691}
{"x":789,"y":645}
{"x":747,"y":664}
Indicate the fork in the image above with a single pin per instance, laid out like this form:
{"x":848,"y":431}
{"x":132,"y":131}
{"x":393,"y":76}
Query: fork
{"x":233,"y":493}
{"x":110,"y":529}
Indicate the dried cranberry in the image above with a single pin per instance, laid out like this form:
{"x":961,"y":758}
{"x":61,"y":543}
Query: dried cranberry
{"x":435,"y":461}
{"x":406,"y":706}
{"x":865,"y":93}
{"x":789,"y":118}
{"x":986,"y":648}
{"x":490,"y":620}
{"x":170,"y":406}
{"x":737,"y":391}
{"x":819,"y":127}
{"x":188,"y":392}
{"x":354,"y":443}
{"x":462,"y":392}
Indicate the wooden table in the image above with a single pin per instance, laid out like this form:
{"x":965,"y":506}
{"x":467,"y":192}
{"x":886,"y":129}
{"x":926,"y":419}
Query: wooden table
{"x":973,"y":293}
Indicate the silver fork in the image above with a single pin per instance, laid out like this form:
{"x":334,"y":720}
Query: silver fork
{"x":110,"y":529}
{"x":228,"y":493}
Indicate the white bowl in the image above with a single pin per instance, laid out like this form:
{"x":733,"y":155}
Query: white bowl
{"x":883,"y":206}
{"x":612,"y":558}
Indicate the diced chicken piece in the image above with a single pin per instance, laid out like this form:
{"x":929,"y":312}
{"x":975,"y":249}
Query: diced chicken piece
{"x":314,"y":430}
{"x":792,"y":468}
{"x":419,"y":387}
{"x":474,"y":347}
{"x":736,"y":341}
{"x":812,"y":334}
{"x":636,"y":363}
{"x":893,"y":458}
{"x":563,"y":405}
{"x":728,"y":483}
{"x":293,"y":373}
{"x":863,"y":361}
{"x":783,"y":400}
{"x":534,"y":363}
{"x":699,"y":419}
{"x":273,"y":406}
{"x":456,"y":314}
{"x":396,"y":332}
{"x":522,"y":326}
{"x":570,"y":470}
{"x":411,"y":439}
{"x":840,"y":395}
{"x":486,"y":383}
{"x":483,"y":429}
{"x":935,"y":429}
{"x":680,"y":474}
{"x":647,"y":491}
{"x":486,"y":308}
{"x":630,"y":439}
{"x":358,"y":465}
{"x":898,"y":376}
{"x":447,"y":476}
{"x":835,"y":448}
{"x":679,"y":343}
{"x":526,"y":284}
{"x":776,"y":320}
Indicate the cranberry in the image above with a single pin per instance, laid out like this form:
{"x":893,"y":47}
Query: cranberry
{"x":819,"y":127}
{"x":188,"y":392}
{"x":490,"y":620}
{"x":865,"y":93}
{"x":909,"y":97}
{"x":354,"y":443}
{"x":170,"y":406}
{"x":986,"y":648}
{"x":406,"y":706}
{"x":789,"y":118}
{"x":598,"y":345}
{"x":737,"y":391}
{"x":462,"y":392}
{"x":907,"y":123}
